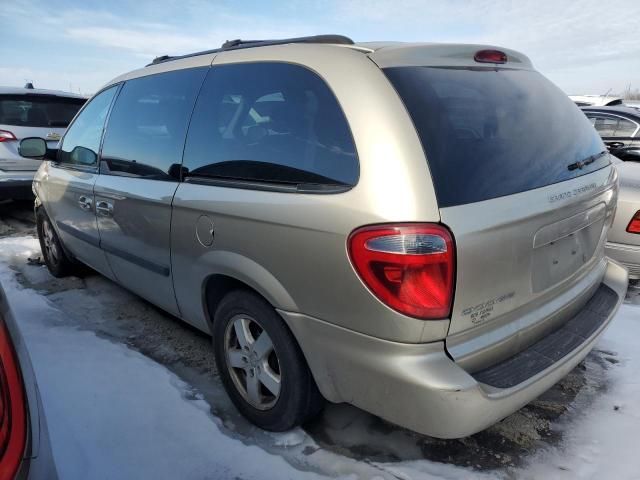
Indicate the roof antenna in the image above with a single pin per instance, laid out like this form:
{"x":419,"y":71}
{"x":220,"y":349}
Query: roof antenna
{"x":29,"y":85}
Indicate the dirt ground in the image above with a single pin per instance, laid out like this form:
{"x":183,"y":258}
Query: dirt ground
{"x":341,"y":429}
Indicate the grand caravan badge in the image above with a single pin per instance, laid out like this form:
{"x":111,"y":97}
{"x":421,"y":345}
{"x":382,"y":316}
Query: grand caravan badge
{"x":53,"y":136}
{"x":572,"y":193}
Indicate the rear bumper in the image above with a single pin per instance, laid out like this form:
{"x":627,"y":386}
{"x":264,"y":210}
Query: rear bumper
{"x":16,"y":184}
{"x":627,"y":255}
{"x":418,"y":386}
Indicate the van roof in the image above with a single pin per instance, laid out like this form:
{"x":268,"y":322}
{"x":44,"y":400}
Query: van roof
{"x":242,"y":44}
{"x":385,"y":54}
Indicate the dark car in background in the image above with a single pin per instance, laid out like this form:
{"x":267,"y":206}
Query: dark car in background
{"x":25,"y":451}
{"x":619,"y":128}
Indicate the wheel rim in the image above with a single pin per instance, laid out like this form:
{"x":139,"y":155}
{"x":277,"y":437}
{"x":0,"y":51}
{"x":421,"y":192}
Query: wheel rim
{"x":252,"y":362}
{"x":50,"y":245}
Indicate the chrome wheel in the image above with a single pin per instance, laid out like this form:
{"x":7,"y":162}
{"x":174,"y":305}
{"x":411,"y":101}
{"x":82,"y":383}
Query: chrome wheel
{"x":50,"y":244}
{"x":252,"y":362}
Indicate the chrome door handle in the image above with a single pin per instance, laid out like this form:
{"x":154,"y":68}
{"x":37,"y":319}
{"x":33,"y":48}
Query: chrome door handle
{"x":85,"y":202}
{"x":104,"y":208}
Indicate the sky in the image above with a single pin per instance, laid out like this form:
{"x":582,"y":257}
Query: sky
{"x":584,"y":46}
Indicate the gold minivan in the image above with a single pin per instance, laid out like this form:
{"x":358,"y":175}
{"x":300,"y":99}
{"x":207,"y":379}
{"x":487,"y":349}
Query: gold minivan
{"x":416,"y":229}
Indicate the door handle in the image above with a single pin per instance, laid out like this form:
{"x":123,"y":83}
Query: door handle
{"x":104,"y":208}
{"x":85,"y":202}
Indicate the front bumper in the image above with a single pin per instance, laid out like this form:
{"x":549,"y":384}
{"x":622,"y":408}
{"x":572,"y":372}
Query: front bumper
{"x":16,"y":184}
{"x":418,"y":386}
{"x":627,"y":255}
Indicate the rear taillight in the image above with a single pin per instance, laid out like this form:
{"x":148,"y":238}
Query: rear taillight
{"x":13,"y":420}
{"x":6,"y":136}
{"x":490,"y":56}
{"x":409,"y":267}
{"x":634,"y":224}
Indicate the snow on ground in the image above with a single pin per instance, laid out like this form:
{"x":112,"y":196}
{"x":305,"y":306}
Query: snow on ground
{"x":602,"y":441}
{"x":114,"y":413}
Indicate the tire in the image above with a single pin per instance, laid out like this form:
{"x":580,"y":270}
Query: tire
{"x":53,"y":253}
{"x":274,"y":406}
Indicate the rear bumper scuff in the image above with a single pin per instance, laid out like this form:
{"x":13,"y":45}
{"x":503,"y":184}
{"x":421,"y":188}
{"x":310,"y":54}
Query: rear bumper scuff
{"x":418,"y":386}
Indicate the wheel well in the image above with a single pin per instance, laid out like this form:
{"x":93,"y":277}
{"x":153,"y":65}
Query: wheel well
{"x":218,"y":285}
{"x":215,"y":289}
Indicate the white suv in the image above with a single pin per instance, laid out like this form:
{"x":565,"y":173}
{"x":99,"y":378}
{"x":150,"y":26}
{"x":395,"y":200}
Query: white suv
{"x":29,"y":112}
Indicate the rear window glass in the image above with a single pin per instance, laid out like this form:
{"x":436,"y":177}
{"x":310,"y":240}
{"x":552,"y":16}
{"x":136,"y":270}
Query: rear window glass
{"x":491,"y":132}
{"x":38,"y":110}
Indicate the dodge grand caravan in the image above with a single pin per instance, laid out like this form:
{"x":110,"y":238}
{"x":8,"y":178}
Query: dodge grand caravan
{"x":415,"y":229}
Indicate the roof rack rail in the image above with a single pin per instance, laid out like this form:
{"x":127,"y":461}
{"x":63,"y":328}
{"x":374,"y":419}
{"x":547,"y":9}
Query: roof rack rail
{"x":240,"y":44}
{"x":335,"y":39}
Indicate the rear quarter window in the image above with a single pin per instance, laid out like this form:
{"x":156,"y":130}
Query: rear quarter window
{"x":490,"y":132}
{"x":272,"y":123}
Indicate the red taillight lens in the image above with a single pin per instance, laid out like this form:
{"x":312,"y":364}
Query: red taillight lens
{"x":490,"y":56}
{"x":634,"y":224}
{"x":6,"y":136}
{"x":409,"y":267}
{"x":13,"y":420}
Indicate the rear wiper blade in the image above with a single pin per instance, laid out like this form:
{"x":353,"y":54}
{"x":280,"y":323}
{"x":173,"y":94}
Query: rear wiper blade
{"x":587,"y":161}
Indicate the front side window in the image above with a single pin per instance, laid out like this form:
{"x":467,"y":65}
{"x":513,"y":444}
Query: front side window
{"x":606,"y":126}
{"x":81,"y":143}
{"x":148,"y":124}
{"x":270,"y":122}
{"x":626,"y":128}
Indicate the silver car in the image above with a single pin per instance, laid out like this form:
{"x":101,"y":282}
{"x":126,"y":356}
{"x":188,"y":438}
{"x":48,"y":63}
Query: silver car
{"x":415,"y":229}
{"x":623,"y":243}
{"x":29,"y":112}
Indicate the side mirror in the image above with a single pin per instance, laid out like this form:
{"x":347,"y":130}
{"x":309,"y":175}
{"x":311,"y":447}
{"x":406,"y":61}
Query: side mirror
{"x":32,"y":147}
{"x":83,"y":156}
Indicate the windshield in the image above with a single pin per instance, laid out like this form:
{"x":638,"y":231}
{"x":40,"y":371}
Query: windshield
{"x":38,"y":110}
{"x":490,"y":132}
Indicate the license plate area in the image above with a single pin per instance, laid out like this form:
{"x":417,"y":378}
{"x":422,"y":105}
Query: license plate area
{"x":563,"y":248}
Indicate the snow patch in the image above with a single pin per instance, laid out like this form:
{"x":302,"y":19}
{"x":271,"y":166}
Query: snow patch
{"x":602,"y":441}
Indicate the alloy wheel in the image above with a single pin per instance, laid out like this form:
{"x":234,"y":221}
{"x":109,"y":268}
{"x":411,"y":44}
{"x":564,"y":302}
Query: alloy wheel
{"x":252,"y":362}
{"x":50,"y":244}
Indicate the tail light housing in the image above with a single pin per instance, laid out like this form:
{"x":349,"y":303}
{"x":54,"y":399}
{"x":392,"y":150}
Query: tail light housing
{"x":7,"y":136}
{"x":13,"y":415}
{"x":634,"y":224}
{"x":409,"y":267}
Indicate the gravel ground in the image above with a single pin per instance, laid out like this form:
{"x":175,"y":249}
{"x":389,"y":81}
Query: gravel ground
{"x":341,"y":429}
